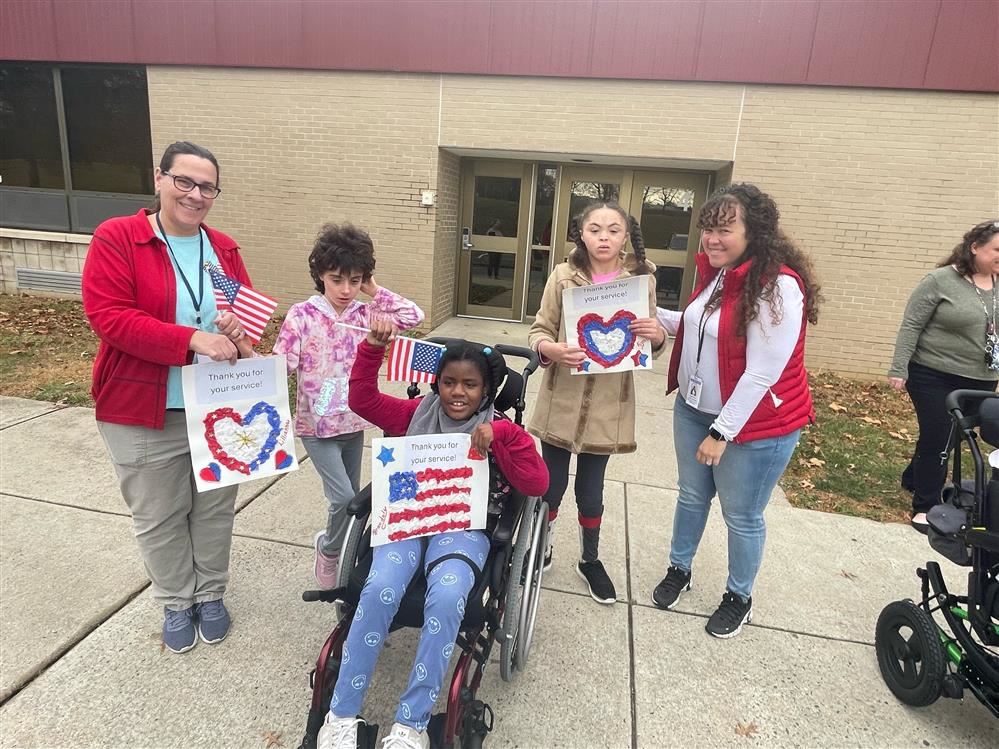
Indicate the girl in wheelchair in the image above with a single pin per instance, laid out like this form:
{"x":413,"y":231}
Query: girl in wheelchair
{"x":467,"y":382}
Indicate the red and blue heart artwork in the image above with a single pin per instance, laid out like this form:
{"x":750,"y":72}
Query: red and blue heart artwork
{"x":606,"y":342}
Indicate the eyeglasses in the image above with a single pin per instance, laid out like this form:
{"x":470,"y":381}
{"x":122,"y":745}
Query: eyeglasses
{"x":186,"y":184}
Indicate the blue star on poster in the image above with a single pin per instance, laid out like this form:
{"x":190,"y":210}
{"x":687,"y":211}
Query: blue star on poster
{"x":386,"y":456}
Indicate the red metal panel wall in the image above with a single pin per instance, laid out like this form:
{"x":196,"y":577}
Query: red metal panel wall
{"x":944,"y":44}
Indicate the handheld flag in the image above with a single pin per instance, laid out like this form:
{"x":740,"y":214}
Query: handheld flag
{"x":252,"y":308}
{"x":413,"y":361}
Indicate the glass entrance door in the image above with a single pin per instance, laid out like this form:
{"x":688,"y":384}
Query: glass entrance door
{"x":496,"y":198}
{"x":579,"y":187}
{"x":666,"y":205}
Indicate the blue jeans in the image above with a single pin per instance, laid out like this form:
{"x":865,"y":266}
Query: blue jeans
{"x":448,"y":586}
{"x":743,"y":480}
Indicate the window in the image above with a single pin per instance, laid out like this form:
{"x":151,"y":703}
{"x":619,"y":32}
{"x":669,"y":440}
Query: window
{"x":76,"y":147}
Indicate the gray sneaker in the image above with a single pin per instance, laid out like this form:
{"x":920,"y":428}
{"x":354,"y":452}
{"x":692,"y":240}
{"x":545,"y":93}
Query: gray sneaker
{"x":179,"y":633}
{"x":213,"y":621}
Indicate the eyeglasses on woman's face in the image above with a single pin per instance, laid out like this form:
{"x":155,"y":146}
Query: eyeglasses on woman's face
{"x":186,"y":184}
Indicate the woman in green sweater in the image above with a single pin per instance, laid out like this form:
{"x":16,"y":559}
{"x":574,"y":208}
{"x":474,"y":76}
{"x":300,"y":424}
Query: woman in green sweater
{"x":948,"y":340}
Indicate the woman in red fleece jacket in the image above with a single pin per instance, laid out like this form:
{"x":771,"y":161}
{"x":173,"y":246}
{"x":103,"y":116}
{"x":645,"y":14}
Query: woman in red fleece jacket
{"x":468,"y":378}
{"x":150,"y":301}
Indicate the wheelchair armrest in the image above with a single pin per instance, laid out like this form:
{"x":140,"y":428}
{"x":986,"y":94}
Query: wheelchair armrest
{"x":508,"y":519}
{"x":361,"y":503}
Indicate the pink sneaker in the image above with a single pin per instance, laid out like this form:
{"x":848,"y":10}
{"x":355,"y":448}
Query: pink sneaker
{"x":326,"y":565}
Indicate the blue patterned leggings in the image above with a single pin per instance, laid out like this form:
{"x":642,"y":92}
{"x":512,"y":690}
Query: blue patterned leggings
{"x":448,"y":586}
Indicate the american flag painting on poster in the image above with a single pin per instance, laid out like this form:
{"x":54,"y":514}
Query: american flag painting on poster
{"x":425,"y":485}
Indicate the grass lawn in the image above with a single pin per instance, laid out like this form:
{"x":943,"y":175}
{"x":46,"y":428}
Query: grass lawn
{"x":850,"y":462}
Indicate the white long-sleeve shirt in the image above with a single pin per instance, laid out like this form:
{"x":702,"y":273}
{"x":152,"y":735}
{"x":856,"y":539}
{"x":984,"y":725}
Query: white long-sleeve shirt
{"x":768,"y":350}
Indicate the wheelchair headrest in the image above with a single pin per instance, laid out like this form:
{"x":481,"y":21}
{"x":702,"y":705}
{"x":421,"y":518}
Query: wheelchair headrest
{"x":510,"y":391}
{"x":988,"y":415}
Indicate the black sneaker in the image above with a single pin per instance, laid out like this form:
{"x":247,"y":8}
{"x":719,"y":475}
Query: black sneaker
{"x":667,"y":592}
{"x":731,"y":614}
{"x":600,"y":585}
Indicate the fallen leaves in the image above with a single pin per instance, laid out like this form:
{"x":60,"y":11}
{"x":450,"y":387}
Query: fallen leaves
{"x":273,"y":738}
{"x":816,"y":462}
{"x":837,"y":407}
{"x":746,"y":730}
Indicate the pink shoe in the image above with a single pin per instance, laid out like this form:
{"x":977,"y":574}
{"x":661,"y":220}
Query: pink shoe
{"x":326,"y":565}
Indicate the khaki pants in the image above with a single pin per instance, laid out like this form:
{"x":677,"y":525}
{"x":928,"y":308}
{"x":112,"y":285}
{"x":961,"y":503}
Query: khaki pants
{"x":184,"y":536}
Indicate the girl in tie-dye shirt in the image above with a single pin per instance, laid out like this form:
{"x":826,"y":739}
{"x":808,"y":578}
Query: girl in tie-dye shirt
{"x":321,"y":353}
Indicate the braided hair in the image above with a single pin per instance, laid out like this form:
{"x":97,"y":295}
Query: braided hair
{"x":581,"y":258}
{"x":489,"y":362}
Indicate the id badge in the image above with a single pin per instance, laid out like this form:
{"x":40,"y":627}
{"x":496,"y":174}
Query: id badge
{"x":693,"y":397}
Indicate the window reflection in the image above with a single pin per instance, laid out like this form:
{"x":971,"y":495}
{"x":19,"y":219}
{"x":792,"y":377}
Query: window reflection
{"x":107,"y":126}
{"x":666,"y":216}
{"x":537,"y":276}
{"x":668,"y":284}
{"x":496,"y":209}
{"x":581,"y":194}
{"x":491,"y":278}
{"x":544,"y":204}
{"x":30,"y":154}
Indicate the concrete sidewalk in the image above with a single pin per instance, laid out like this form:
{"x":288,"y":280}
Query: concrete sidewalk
{"x":81,"y":663}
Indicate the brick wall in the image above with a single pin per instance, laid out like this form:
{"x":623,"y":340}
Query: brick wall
{"x":877,"y":185}
{"x":301,"y":148}
{"x":445,"y":281}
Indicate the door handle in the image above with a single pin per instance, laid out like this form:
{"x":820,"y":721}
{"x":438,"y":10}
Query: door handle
{"x":466,"y":238}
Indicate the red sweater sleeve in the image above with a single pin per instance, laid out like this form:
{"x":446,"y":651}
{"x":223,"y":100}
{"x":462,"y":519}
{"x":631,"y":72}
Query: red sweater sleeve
{"x":111,"y":304}
{"x":518,"y":458}
{"x":389,"y":414}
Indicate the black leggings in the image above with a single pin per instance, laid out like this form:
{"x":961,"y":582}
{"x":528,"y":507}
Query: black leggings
{"x":925,"y":475}
{"x":589,"y":485}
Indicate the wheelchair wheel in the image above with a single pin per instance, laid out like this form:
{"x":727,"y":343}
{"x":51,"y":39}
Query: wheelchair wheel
{"x":532,"y":577}
{"x":910,"y":656}
{"x":348,"y":552}
{"x":516,"y":579}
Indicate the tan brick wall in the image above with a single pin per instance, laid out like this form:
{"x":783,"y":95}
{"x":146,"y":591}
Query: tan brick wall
{"x":878,"y":186}
{"x":445,"y":281}
{"x":627,"y":118}
{"x":300,"y":148}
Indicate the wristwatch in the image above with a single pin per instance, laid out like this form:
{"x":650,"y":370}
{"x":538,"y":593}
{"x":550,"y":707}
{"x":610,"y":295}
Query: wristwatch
{"x":716,"y":435}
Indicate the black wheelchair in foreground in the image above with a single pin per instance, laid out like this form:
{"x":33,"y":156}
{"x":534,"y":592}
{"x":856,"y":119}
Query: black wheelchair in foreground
{"x":502,"y":606}
{"x":920,"y":660}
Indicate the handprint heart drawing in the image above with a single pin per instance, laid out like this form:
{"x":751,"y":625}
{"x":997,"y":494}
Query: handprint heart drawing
{"x":606,"y":342}
{"x":241,"y":442}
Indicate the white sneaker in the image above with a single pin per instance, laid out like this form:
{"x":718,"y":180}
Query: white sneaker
{"x":338,"y":733}
{"x":404,"y":737}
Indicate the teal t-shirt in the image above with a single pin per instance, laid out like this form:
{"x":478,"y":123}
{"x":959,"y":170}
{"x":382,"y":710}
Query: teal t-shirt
{"x":186,"y":254}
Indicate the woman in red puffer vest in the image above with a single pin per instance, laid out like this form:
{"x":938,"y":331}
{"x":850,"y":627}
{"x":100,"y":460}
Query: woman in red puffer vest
{"x":739,"y":366}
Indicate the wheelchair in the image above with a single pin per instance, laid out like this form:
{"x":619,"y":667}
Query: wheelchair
{"x":919,"y":659}
{"x":501,"y":608}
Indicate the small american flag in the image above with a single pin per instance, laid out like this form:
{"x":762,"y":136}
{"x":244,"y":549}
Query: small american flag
{"x":413,"y":361}
{"x":252,"y":308}
{"x":428,"y":502}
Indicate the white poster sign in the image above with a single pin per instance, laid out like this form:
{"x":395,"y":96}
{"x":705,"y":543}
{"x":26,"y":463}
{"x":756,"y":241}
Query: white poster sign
{"x":238,"y":420}
{"x":597,"y":319}
{"x":425,"y":485}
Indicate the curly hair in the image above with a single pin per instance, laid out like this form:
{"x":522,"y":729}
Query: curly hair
{"x":961,"y":257}
{"x":345,"y":248}
{"x":767,"y":246}
{"x":581,"y":258}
